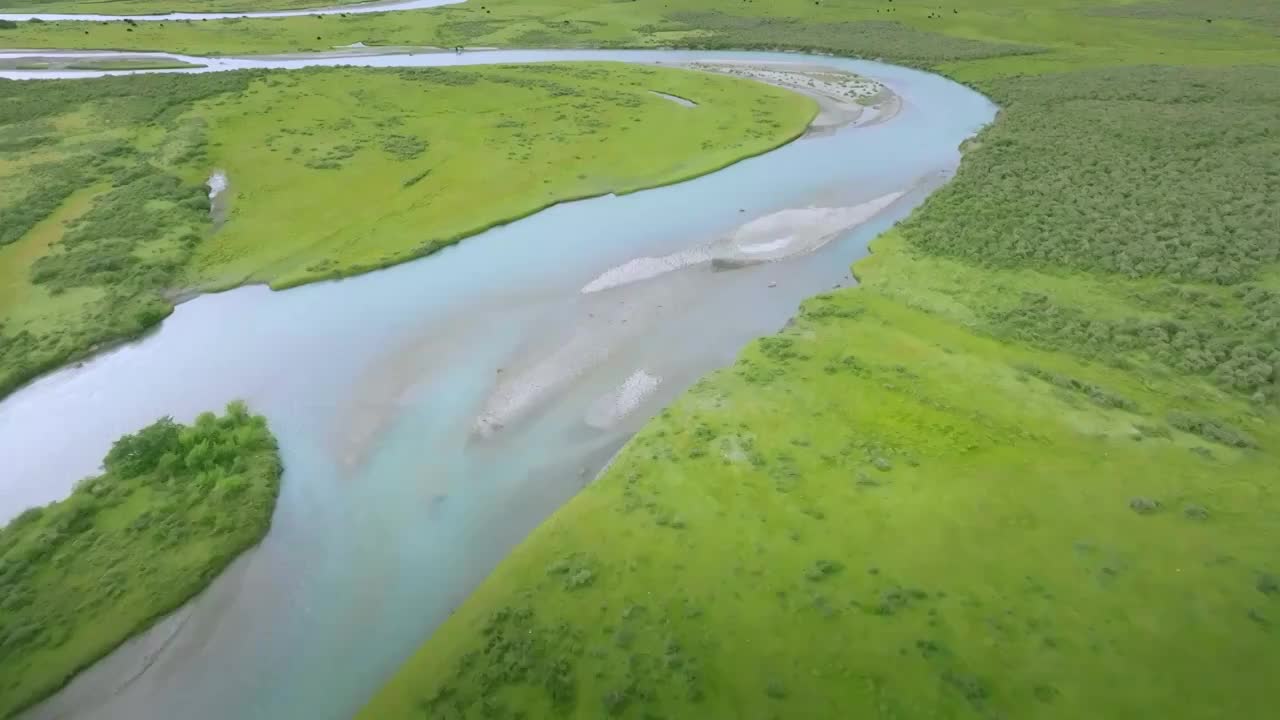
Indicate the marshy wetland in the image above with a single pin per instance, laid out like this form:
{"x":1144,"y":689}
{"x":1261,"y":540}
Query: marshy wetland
{"x":1025,"y":468}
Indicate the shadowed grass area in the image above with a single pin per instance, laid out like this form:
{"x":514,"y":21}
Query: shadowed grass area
{"x":173,"y":507}
{"x":332,"y":172}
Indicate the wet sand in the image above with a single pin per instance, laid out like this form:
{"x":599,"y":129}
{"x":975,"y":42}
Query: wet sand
{"x":632,"y":300}
{"x":843,"y":98}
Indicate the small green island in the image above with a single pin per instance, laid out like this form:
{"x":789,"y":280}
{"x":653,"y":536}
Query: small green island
{"x":174,"y":505}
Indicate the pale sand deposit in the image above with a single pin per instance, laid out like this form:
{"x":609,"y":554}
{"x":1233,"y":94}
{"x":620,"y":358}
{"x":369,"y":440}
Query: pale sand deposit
{"x":612,"y":408}
{"x":633,"y":300}
{"x":770,"y":238}
{"x":843,"y":97}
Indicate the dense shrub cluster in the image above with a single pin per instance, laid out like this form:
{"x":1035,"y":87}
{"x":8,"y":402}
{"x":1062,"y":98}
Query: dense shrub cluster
{"x":1167,"y":172}
{"x":1097,"y":395}
{"x":173,"y":507}
{"x":130,"y":99}
{"x":104,"y":248}
{"x":1212,"y":429}
{"x":53,"y":183}
{"x":135,"y":237}
{"x":1237,"y":346}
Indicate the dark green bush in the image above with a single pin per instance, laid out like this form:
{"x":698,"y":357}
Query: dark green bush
{"x":1212,"y":429}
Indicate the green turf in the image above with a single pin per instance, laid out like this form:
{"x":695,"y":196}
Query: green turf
{"x":332,"y":172}
{"x":145,"y":7}
{"x":1027,"y":469}
{"x":1075,"y":32}
{"x":172,"y":508}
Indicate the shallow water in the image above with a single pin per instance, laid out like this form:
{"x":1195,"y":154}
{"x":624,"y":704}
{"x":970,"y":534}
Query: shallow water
{"x":354,"y":9}
{"x":393,"y":508}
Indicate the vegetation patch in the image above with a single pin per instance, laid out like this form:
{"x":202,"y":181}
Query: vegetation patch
{"x":173,"y":507}
{"x":106,"y":215}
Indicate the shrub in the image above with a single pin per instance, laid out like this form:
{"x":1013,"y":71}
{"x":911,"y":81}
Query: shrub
{"x":1211,"y":429}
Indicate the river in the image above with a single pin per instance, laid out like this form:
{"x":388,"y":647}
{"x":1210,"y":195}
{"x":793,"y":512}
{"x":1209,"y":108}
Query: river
{"x":396,"y":499}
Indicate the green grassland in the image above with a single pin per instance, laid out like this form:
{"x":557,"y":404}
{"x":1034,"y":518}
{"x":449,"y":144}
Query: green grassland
{"x":173,"y":507}
{"x":1027,"y":469}
{"x":106,"y":218}
{"x":145,"y":7}
{"x":1070,"y":32}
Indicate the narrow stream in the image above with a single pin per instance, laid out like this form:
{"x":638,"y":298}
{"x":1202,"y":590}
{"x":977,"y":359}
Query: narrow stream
{"x":397,"y":499}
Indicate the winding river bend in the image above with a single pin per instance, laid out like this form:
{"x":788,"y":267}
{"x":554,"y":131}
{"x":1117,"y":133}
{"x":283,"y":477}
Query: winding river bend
{"x":424,"y":426}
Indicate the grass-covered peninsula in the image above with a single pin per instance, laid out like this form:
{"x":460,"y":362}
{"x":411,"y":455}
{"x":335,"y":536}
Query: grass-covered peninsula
{"x":172,"y":508}
{"x":330,"y":172}
{"x":1027,"y":469}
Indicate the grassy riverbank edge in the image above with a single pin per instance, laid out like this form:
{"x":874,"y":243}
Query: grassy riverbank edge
{"x":798,"y":112}
{"x":287,"y":283}
{"x":251,"y":480}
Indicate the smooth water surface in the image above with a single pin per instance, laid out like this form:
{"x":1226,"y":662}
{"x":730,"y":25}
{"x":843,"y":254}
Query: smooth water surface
{"x":392,"y":507}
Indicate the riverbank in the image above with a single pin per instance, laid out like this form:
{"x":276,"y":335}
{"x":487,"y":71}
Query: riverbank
{"x":170,"y":511}
{"x":541,"y":146}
